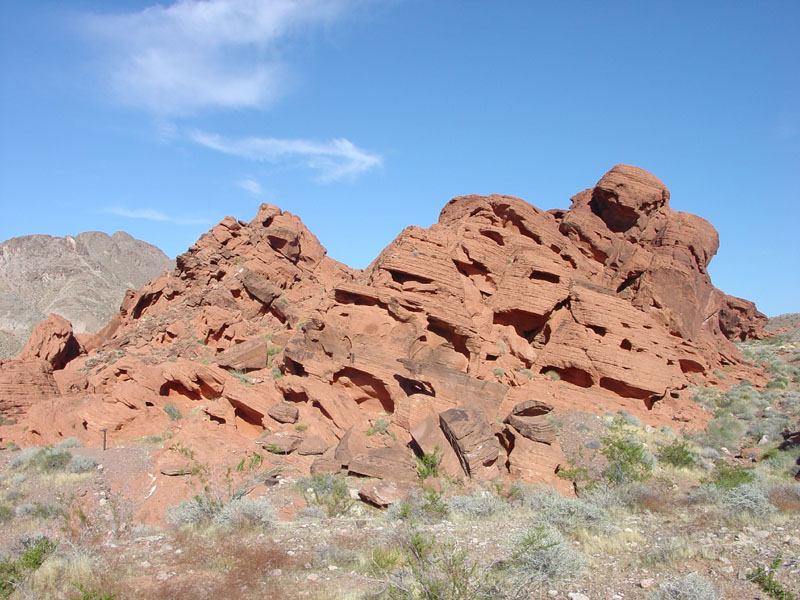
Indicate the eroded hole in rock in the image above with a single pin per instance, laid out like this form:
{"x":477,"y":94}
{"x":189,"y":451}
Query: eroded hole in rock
{"x":295,"y":396}
{"x":544,"y":276}
{"x":568,"y":259}
{"x":173,"y":388}
{"x":369,"y":391}
{"x":402,"y":277}
{"x":572,"y":375}
{"x":527,"y":325}
{"x":149,"y":404}
{"x":617,"y":217}
{"x":293,"y":367}
{"x":626,"y":344}
{"x":447,"y":331}
{"x":85,"y":425}
{"x":495,"y":236}
{"x":601,"y":331}
{"x":217,"y":419}
{"x":414,"y":386}
{"x":248,"y":420}
{"x":345,"y":297}
{"x":471,"y":269}
{"x":620,"y":388}
{"x":690,"y":366}
{"x":629,"y":281}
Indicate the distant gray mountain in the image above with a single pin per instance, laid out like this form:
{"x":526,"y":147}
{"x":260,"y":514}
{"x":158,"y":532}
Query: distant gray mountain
{"x":81,"y":278}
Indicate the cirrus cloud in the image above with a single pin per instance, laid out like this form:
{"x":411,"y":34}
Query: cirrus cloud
{"x":335,"y":159}
{"x":194,"y":55}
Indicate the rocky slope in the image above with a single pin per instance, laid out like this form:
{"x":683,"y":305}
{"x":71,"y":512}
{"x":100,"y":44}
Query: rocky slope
{"x":82,"y":278}
{"x":461,"y":339}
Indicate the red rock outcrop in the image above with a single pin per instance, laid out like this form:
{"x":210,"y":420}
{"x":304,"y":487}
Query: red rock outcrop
{"x":465,"y":333}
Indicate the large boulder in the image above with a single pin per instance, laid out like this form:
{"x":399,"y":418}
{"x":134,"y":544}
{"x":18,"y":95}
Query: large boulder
{"x":473,"y":439}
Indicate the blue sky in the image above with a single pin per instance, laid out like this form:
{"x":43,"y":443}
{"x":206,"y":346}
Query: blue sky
{"x":363,"y":117}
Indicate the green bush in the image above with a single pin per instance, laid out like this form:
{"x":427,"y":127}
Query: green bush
{"x":14,"y":572}
{"x":628,"y":460}
{"x":424,"y":506}
{"x":328,"y":491}
{"x":428,"y":464}
{"x":728,"y":476}
{"x":678,"y":454}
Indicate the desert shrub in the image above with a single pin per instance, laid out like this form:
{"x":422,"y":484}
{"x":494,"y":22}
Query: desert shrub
{"x":678,"y":454}
{"x":728,"y":476}
{"x":424,"y":506}
{"x":312,"y":513}
{"x":538,"y":554}
{"x":747,"y":498}
{"x":47,"y":459}
{"x":6,"y":514}
{"x":722,"y":432}
{"x":567,"y":514}
{"x":786,"y":497}
{"x":81,"y":464}
{"x":243,"y":512}
{"x":480,"y":504}
{"x":192,"y":512}
{"x":14,"y":572}
{"x":242,"y":376}
{"x":328,"y":491}
{"x":629,"y":419}
{"x":593,"y":445}
{"x":628,"y":460}
{"x":428,"y":464}
{"x":437,"y":571}
{"x":711,"y":453}
{"x":379,"y":426}
{"x":92,"y":594}
{"x":765,"y":579}
{"x":23,"y":458}
{"x":689,"y":587}
{"x":172,"y":411}
{"x":706,"y":493}
{"x":70,"y":442}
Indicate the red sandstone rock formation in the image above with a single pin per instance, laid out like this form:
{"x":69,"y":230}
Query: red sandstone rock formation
{"x":459,"y":337}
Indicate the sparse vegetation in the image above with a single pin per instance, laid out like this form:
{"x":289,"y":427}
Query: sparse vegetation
{"x":172,"y":411}
{"x":328,"y":491}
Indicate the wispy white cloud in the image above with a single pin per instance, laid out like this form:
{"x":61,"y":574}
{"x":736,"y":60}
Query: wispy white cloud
{"x":149,"y":214}
{"x":250,"y":185}
{"x":335,"y":159}
{"x":199,"y":54}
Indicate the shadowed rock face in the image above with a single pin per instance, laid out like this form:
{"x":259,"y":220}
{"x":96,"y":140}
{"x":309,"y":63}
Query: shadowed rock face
{"x":81,"y":278}
{"x":478,"y":325}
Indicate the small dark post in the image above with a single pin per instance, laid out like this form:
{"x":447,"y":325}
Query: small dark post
{"x":104,"y":438}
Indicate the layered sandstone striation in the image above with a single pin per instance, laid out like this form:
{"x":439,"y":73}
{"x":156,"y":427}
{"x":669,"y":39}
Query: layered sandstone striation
{"x":462,"y":339}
